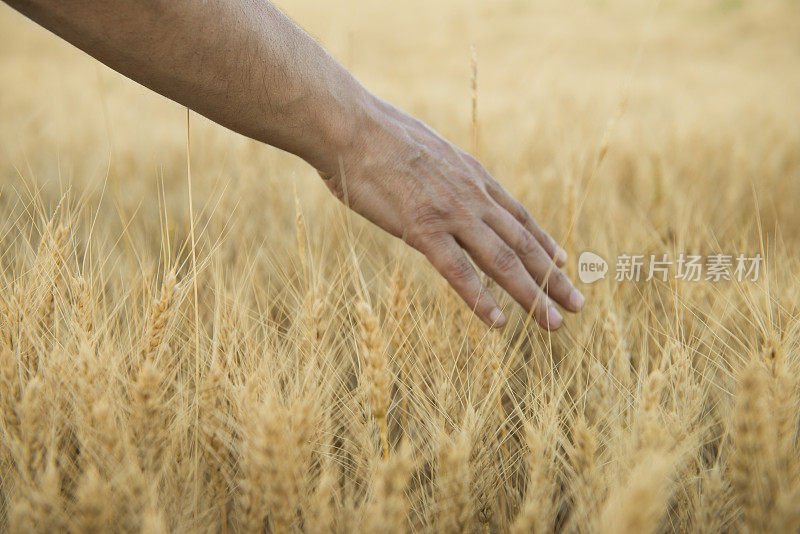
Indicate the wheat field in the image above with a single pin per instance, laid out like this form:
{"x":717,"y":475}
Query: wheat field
{"x":297,"y":370}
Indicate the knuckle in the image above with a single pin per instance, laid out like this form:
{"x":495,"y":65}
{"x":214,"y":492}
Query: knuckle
{"x":416,"y":155}
{"x":557,"y":283}
{"x":547,"y":242}
{"x":471,"y":160}
{"x":427,"y":219}
{"x":475,"y":164}
{"x":475,"y":189}
{"x":505,"y":259}
{"x":521,"y":214}
{"x":458,"y":270}
{"x":426,"y":241}
{"x":564,"y":285}
{"x":493,"y":187}
{"x":456,"y":211}
{"x":527,"y":244}
{"x":419,"y":239}
{"x":561,"y":278}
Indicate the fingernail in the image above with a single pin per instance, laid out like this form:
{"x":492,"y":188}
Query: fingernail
{"x":576,"y":300}
{"x":561,"y":256}
{"x":497,"y":318}
{"x":553,"y":318}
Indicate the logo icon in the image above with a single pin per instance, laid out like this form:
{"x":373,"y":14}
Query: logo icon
{"x":591,"y":267}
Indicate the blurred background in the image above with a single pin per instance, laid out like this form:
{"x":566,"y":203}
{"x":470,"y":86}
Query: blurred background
{"x":655,"y":127}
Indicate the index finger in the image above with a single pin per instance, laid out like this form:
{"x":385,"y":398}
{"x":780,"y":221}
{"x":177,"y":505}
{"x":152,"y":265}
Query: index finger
{"x":518,"y":211}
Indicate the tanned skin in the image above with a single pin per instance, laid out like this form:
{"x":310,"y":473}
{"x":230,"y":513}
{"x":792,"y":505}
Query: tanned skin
{"x":246,"y":66}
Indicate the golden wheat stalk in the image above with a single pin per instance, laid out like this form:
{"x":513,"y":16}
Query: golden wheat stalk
{"x":376,"y":378}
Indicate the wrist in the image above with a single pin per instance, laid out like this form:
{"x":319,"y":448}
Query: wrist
{"x":345,"y":131}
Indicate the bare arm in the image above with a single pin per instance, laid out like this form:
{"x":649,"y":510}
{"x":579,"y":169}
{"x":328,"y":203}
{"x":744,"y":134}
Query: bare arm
{"x":245,"y":65}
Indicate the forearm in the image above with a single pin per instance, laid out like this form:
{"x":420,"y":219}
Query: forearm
{"x":241,"y":63}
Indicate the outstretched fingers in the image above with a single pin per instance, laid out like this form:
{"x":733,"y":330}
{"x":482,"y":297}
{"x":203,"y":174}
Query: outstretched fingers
{"x":497,"y":259}
{"x":449,"y":259}
{"x":518,"y":211}
{"x":535,"y":259}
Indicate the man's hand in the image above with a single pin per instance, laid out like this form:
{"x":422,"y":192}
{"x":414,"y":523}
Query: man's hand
{"x":246,"y":66}
{"x":404,"y":177}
